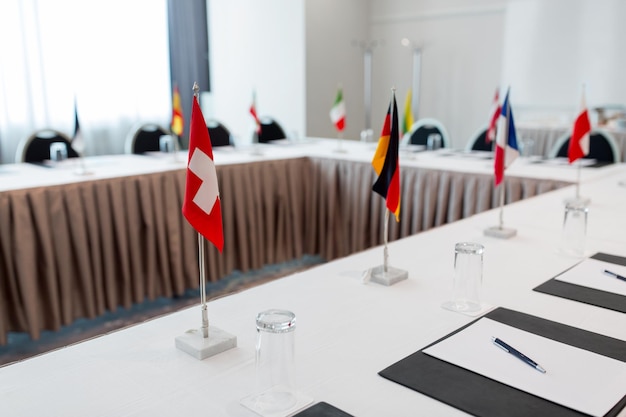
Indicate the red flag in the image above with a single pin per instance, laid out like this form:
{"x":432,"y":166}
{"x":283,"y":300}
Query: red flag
{"x":579,"y":142}
{"x":493,"y":121}
{"x":388,"y":182}
{"x":254,"y":114}
{"x":201,"y":206}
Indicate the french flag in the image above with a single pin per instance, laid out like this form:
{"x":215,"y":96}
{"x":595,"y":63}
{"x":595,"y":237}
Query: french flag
{"x":506,"y":141}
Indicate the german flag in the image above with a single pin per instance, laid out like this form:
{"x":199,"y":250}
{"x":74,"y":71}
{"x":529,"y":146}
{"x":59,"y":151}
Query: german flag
{"x":385,"y":161}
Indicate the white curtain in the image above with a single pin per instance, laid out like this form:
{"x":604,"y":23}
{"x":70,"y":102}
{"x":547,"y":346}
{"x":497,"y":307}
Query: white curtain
{"x":111,"y":57}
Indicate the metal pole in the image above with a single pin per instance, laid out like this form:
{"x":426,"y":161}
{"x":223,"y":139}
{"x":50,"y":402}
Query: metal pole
{"x":201,"y":260}
{"x":417,"y":70}
{"x":578,"y":179}
{"x":201,"y":264}
{"x":502,"y":204}
{"x":367,"y":87}
{"x":386,"y":237}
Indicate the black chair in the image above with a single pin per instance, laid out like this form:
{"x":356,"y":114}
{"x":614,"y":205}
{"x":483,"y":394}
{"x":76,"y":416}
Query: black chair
{"x":422,"y":129}
{"x":478,"y":141}
{"x":270,"y":130}
{"x":36,"y":147}
{"x":602,"y":147}
{"x":219,"y":134}
{"x":145,"y":138}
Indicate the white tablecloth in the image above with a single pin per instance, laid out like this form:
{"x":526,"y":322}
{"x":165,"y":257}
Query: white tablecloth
{"x":346,"y":331}
{"x":116,"y":236}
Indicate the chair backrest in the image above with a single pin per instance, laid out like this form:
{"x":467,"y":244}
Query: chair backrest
{"x":145,"y":138}
{"x":219,"y":134}
{"x":478,"y":141}
{"x":602,"y":147}
{"x":36,"y":147}
{"x":422,"y":129}
{"x":270,"y":130}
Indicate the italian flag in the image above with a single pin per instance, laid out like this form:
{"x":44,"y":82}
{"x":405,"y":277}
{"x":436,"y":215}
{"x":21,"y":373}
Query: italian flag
{"x":338,"y":112}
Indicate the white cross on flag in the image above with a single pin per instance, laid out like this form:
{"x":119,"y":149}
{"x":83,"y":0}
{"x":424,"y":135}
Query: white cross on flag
{"x":201,"y":206}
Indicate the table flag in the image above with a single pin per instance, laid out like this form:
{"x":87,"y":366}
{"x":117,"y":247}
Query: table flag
{"x":78,"y":142}
{"x":385,"y":161}
{"x":579,"y":142}
{"x":201,"y":206}
{"x":338,"y":112}
{"x":506,"y":143}
{"x":178,"y":123}
{"x":493,"y":120}
{"x":254,"y":113}
{"x":407,"y":121}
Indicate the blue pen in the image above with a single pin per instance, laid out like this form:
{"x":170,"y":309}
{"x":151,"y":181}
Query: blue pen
{"x":613,"y":274}
{"x":502,"y":345}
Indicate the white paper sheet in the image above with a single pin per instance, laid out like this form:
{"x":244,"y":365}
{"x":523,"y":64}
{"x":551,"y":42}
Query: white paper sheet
{"x":589,"y":273}
{"x":575,"y":378}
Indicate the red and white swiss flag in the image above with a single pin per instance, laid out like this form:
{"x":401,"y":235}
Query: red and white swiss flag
{"x":579,"y":142}
{"x":201,"y":206}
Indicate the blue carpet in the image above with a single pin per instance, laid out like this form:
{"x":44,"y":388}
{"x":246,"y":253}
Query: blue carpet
{"x":20,"y":346}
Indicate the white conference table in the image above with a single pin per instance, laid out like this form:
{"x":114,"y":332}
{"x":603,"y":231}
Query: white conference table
{"x":23,"y":176}
{"x":116,"y":236}
{"x":347,"y":331}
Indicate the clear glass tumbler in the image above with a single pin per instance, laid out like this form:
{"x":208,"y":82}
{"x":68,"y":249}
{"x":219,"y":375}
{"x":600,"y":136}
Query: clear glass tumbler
{"x":58,"y":151}
{"x":275,"y":367}
{"x":468,"y":276}
{"x":166,"y":143}
{"x":574,"y":229}
{"x":433,"y":142}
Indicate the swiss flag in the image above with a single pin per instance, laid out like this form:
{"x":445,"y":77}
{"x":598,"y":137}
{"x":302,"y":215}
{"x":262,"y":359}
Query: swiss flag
{"x":579,"y":142}
{"x":201,"y":206}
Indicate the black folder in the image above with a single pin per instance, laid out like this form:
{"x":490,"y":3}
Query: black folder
{"x":485,"y":397}
{"x":322,"y":409}
{"x":588,"y":295}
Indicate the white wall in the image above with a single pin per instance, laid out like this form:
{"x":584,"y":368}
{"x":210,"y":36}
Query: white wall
{"x":554,"y":47}
{"x":256,"y":45}
{"x":296,"y":52}
{"x":461,"y":52}
{"x":334,"y":57}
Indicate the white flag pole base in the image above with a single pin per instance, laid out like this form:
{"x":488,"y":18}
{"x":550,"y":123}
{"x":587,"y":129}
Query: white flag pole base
{"x":579,"y":201}
{"x":389,"y":277}
{"x":81,"y":169}
{"x":500,"y":232}
{"x":193,"y":343}
{"x":339,"y":148}
{"x":82,"y":172}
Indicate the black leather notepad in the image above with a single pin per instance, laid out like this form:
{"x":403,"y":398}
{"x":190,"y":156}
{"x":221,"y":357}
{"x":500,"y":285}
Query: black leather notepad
{"x":484,"y":397}
{"x":588,"y":295}
{"x":322,"y":409}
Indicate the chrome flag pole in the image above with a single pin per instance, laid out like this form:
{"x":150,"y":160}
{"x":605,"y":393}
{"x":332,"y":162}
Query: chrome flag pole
{"x":386,"y":240}
{"x":578,"y":178}
{"x":502,"y":203}
{"x":201,"y":264}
